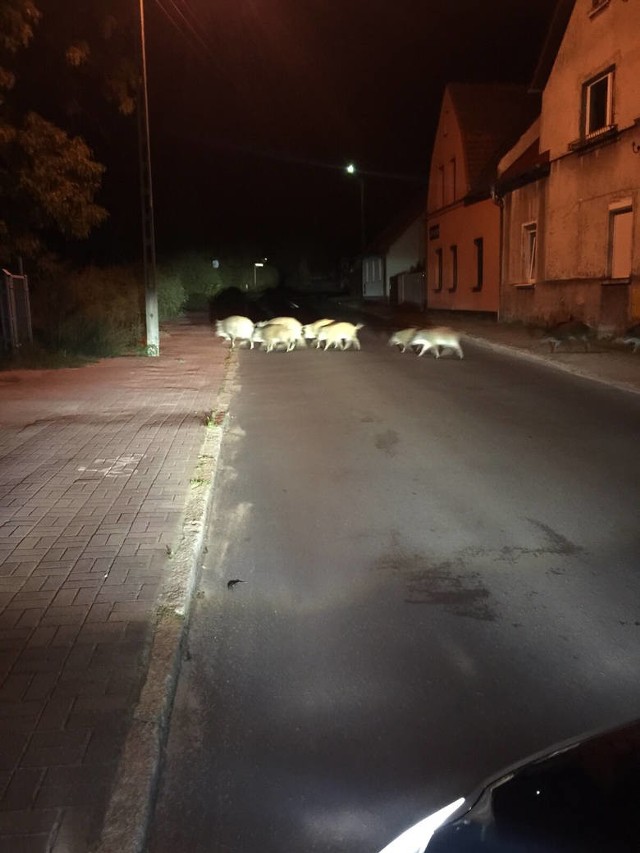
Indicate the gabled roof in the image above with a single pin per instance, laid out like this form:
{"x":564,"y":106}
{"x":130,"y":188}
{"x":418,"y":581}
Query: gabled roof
{"x":531,"y":165}
{"x":403,"y":220}
{"x":552,"y":42}
{"x":492,"y":117}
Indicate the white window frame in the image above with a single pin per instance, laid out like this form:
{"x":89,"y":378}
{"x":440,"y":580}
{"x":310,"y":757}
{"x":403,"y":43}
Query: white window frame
{"x":624,"y":208}
{"x":607,"y":75}
{"x":529,"y":250}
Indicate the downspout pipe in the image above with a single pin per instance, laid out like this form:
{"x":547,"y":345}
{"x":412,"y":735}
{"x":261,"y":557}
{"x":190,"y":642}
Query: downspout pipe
{"x":498,"y":199}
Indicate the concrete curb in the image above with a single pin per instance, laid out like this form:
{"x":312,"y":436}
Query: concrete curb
{"x":510,"y":349}
{"x":555,"y":365}
{"x":130,"y":806}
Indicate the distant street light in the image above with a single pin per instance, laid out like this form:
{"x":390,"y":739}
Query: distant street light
{"x":146,"y":193}
{"x":255,"y":273}
{"x":351,"y":170}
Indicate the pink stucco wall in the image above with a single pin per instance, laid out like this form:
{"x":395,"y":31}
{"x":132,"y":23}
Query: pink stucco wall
{"x":459,"y":226}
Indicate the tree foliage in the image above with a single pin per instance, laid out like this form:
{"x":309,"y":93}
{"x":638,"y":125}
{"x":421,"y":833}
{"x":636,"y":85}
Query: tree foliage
{"x":17,"y":21}
{"x":56,"y":59}
{"x":93,"y":49}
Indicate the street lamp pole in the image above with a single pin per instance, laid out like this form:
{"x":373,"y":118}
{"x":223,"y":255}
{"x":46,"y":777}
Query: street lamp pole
{"x":255,"y":273}
{"x":146,"y":193}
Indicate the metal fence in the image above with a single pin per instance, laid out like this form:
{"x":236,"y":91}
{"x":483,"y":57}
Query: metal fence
{"x":15,"y":311}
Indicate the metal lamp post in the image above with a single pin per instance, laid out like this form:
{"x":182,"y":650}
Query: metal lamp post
{"x":146,"y":193}
{"x":255,"y":273}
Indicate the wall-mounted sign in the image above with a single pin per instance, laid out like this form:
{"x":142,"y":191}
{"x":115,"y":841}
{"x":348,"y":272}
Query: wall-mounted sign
{"x":434,"y":232}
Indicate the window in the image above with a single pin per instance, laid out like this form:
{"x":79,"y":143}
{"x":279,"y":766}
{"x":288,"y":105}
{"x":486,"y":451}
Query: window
{"x":598,"y":104}
{"x":620,"y":242}
{"x":451,"y":189}
{"x":441,"y":185}
{"x":479,"y":244}
{"x":438,"y":271}
{"x":529,"y":251}
{"x":454,"y":269}
{"x":373,"y":269}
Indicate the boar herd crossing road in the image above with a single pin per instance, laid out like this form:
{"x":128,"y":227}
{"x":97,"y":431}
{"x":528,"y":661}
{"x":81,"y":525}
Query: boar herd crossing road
{"x":289,"y":333}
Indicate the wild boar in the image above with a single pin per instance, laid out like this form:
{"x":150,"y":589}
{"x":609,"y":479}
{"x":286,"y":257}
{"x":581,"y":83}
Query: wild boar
{"x":310,"y":330}
{"x":632,"y":336}
{"x":289,"y":322}
{"x":294,"y":326}
{"x":272,"y":335}
{"x":570,"y":330}
{"x":339,"y":335}
{"x":235,"y":328}
{"x":402,"y":338}
{"x":433,"y":339}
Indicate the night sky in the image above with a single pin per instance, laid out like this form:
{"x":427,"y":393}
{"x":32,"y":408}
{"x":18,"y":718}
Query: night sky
{"x":256,"y":106}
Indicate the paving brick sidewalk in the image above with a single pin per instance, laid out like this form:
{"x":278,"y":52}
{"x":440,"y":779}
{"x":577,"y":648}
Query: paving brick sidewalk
{"x":95,"y":469}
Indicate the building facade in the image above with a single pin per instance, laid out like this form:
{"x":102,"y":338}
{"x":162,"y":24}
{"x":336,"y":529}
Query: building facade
{"x":477,"y":124}
{"x":570,"y":191}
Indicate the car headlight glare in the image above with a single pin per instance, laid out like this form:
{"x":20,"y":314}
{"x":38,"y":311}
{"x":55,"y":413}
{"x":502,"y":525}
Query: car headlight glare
{"x":416,"y":839}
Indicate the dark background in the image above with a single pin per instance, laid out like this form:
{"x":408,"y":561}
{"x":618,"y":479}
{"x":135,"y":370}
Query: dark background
{"x":256,"y":107}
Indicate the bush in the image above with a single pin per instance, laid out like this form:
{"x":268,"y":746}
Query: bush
{"x":194,"y":273}
{"x":203,"y":283}
{"x":171,"y":295}
{"x":94,"y":312}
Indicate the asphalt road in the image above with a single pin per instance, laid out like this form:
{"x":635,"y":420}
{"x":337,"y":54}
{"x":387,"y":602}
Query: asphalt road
{"x":441,"y":566}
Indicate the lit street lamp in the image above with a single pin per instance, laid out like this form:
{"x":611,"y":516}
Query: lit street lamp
{"x":255,"y":273}
{"x":351,"y":170}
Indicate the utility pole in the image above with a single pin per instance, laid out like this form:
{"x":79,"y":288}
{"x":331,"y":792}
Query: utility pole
{"x":146,"y":198}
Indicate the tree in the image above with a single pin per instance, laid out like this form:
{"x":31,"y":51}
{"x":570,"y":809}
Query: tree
{"x":47,"y":181}
{"x":49,"y":178}
{"x":90,"y":53}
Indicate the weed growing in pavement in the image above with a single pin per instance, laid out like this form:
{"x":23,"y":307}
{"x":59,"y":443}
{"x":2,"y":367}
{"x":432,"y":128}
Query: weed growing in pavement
{"x":214,"y":419}
{"x":198,"y":481}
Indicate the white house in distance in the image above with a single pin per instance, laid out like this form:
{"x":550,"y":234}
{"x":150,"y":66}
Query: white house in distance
{"x":393,"y":267}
